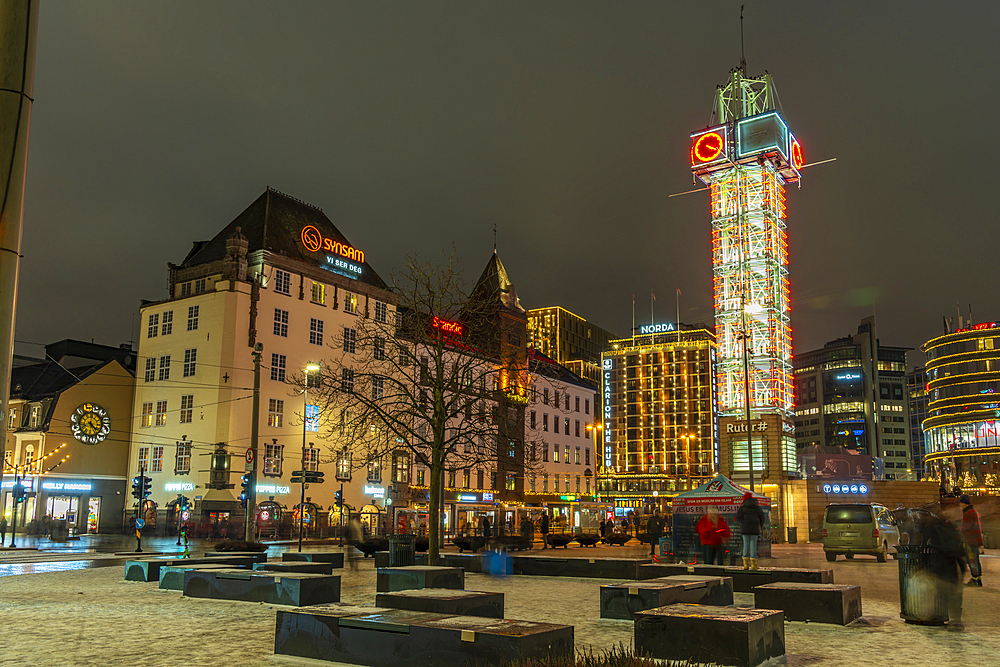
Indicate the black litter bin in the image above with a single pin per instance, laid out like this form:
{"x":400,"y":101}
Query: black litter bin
{"x":402,"y":550}
{"x":793,"y":535}
{"x":919,"y":600}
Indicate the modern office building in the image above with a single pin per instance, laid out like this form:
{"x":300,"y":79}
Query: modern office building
{"x":659,"y":417}
{"x":960,"y":431}
{"x":917,"y":404}
{"x":568,"y":339}
{"x":852,"y":393}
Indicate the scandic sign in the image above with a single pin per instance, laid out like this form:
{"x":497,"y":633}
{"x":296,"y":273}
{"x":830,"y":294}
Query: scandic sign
{"x":314,"y":242}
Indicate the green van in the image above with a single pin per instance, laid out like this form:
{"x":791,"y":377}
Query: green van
{"x":861,"y":528}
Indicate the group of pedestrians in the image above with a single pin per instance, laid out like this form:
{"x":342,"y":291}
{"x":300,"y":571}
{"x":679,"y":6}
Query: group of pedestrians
{"x":714,"y":532}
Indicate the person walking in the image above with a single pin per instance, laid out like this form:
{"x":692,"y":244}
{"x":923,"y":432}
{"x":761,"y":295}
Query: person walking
{"x":654,"y":528}
{"x":545,"y":530}
{"x":750,"y":517}
{"x":714,"y":533}
{"x":972,"y":536}
{"x":3,"y":530}
{"x":946,"y":562}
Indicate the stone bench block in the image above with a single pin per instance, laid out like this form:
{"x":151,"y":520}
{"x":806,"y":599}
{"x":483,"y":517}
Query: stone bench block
{"x":172,"y":576}
{"x":389,"y":579}
{"x":296,"y":566}
{"x":444,"y":601}
{"x":625,"y":599}
{"x":819,"y":603}
{"x":149,"y":569}
{"x":599,"y":568}
{"x":335,"y":558}
{"x":710,"y":634}
{"x":257,"y":556}
{"x":400,"y":638}
{"x":297,"y":590}
{"x":658,"y":570}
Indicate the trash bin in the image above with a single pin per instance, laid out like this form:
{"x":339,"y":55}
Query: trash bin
{"x":666,"y":546}
{"x":402,"y":550}
{"x":989,"y":540}
{"x":919,"y":601}
{"x":793,"y":535}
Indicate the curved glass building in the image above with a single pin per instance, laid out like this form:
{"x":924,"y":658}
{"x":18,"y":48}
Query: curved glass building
{"x":963,"y":387}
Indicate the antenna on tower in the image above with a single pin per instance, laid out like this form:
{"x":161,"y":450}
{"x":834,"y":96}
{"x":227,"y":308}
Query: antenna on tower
{"x":743,"y":59}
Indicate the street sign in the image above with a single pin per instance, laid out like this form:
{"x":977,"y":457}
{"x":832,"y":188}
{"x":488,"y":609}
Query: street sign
{"x":140,"y":523}
{"x":249,"y":455}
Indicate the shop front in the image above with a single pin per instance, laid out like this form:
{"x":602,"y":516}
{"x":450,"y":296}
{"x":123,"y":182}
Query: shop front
{"x":470,"y":508}
{"x":86,"y":505}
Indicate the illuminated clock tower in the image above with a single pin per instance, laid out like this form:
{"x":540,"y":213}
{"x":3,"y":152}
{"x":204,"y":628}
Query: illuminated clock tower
{"x":746,"y":158}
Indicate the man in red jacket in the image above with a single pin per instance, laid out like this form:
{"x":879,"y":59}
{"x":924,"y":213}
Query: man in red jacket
{"x":714,"y":533}
{"x":972,"y":535}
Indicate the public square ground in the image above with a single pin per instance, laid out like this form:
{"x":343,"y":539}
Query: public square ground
{"x":90,"y":616}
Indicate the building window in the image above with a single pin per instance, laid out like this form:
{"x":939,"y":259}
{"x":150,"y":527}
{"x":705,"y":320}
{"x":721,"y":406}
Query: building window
{"x":315,"y":331}
{"x":577,"y":456}
{"x":588,"y":486}
{"x":577,"y":427}
{"x":555,"y":397}
{"x":190,"y":359}
{"x":165,"y":367}
{"x":479,"y":479}
{"x":350,"y":303}
{"x":378,"y":348}
{"x":567,"y":483}
{"x":545,"y":396}
{"x":567,"y":425}
{"x":278,"y":367}
{"x":545,"y":422}
{"x":577,"y":404}
{"x":146,"y":419}
{"x":555,"y":482}
{"x":420,"y":477}
{"x":318,"y":293}
{"x":13,"y":419}
{"x":586,"y":456}
{"x":154,"y":326}
{"x":586,"y":406}
{"x":273,"y":453}
{"x":381,"y":311}
{"x":143,"y":459}
{"x":566,"y":459}
{"x":182,"y":459}
{"x":310,"y":456}
{"x":312,"y":418}
{"x":533,"y":419}
{"x":555,"y":453}
{"x":275,"y":412}
{"x":567,"y":402}
{"x":186,"y":289}
{"x":578,"y":484}
{"x":161,"y":413}
{"x":187,"y":408}
{"x":347,"y":380}
{"x":531,"y":482}
{"x":401,"y":469}
{"x":199,"y":285}
{"x":378,"y":386}
{"x":168,"y":323}
{"x":35,"y":418}
{"x":157,"y":463}
{"x":282,"y":282}
{"x":344,"y":466}
{"x":375,"y":471}
{"x":150,"y":370}
{"x":350,"y":340}
{"x":545,"y":483}
{"x":193,"y":318}
{"x":281,"y":322}
{"x":466,"y":478}
{"x":511,"y":481}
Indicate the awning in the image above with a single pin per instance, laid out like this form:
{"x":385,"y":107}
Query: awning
{"x":218,"y":500}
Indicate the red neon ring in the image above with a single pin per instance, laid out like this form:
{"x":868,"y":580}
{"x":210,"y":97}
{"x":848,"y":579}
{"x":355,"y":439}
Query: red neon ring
{"x":797,"y":157}
{"x":708,"y":146}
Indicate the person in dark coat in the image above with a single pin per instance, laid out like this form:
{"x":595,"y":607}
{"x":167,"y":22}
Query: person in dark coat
{"x":972,"y":536}
{"x":750,"y":517}
{"x":654,"y":527}
{"x":602,"y":528}
{"x":946,"y":563}
{"x":545,"y":530}
{"x":485,"y":523}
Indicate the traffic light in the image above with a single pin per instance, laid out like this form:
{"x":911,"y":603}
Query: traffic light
{"x":245,"y":493}
{"x":142,"y":486}
{"x":19,"y":493}
{"x":339,"y":496}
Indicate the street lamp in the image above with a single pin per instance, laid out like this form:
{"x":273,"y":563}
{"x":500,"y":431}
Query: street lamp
{"x":311,"y":367}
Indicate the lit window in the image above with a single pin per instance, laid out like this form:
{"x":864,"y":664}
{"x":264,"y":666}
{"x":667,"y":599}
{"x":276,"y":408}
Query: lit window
{"x":278,"y":367}
{"x":165,"y":367}
{"x":193,"y":318}
{"x":312,"y":418}
{"x":272,"y":458}
{"x":143,"y":459}
{"x":190,"y":359}
{"x":350,"y":302}
{"x":154,"y":326}
{"x":511,"y":481}
{"x":311,"y":459}
{"x":157,"y":463}
{"x":315,"y":331}
{"x":275,"y":412}
{"x":350,"y":340}
{"x":168,"y":323}
{"x":147,"y":415}
{"x":13,"y":419}
{"x":281,"y":322}
{"x":375,"y":471}
{"x":318,"y":293}
{"x":182,"y":459}
{"x":577,"y":456}
{"x":402,"y":468}
{"x":555,"y":454}
{"x":344,"y":466}
{"x":150,"y":370}
{"x":187,"y":408}
{"x":282,"y":282}
{"x":161,"y":413}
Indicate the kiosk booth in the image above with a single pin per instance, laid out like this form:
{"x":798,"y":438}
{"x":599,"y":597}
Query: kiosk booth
{"x":726,"y":497}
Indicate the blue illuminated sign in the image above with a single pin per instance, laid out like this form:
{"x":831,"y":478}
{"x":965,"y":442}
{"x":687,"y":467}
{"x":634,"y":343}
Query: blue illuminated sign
{"x":343,"y":267}
{"x":606,"y":392}
{"x":849,"y":376}
{"x":845,"y":488}
{"x":762,"y":134}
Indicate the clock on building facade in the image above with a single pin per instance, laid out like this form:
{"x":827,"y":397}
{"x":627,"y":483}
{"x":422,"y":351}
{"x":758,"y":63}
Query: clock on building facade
{"x":90,"y":424}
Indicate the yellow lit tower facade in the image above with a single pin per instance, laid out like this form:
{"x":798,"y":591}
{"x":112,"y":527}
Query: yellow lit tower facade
{"x":746,"y":158}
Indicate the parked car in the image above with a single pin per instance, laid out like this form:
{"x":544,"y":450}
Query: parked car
{"x":859,"y":528}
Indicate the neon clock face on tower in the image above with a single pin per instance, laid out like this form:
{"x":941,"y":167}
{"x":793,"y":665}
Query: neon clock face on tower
{"x":90,"y":424}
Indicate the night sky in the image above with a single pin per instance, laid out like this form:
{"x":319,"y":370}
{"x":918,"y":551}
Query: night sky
{"x":566,"y":125}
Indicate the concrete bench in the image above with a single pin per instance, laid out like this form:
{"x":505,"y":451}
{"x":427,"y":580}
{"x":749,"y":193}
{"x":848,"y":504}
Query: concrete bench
{"x":297,"y":590}
{"x":819,"y":603}
{"x":625,"y":599}
{"x":401,"y":638}
{"x":295,"y":566}
{"x":444,"y":601}
{"x":335,"y":558}
{"x":659,"y":570}
{"x":599,"y":568}
{"x":389,"y":579}
{"x":744,"y":581}
{"x":149,"y":569}
{"x":710,"y":634}
{"x":257,"y":556}
{"x":172,"y":576}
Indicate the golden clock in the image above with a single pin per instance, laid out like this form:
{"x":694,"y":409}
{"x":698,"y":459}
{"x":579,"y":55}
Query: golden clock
{"x":90,"y":424}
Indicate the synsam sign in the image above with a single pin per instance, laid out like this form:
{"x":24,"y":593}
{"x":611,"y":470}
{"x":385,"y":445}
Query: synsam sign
{"x":656,"y":328}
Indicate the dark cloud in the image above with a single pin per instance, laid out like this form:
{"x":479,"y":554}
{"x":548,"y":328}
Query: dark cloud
{"x":566,"y":125}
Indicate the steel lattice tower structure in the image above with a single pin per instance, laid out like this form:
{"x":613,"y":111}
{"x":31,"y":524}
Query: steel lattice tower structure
{"x":746,"y":159}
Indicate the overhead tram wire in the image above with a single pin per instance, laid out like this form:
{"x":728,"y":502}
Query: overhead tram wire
{"x":687,"y":192}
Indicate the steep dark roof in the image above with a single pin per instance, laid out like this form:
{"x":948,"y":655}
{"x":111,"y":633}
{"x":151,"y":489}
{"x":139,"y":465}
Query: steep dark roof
{"x":551,"y":368}
{"x":47,"y":379}
{"x":494,"y":284}
{"x":274,"y":222}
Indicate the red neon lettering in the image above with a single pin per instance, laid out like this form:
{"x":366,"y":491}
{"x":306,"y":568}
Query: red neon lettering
{"x":456,"y":328}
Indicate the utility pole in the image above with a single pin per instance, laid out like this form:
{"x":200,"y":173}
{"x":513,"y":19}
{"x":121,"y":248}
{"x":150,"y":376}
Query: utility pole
{"x":17,"y":77}
{"x":251,"y":520}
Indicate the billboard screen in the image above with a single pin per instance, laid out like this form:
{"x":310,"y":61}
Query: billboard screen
{"x":765,"y":133}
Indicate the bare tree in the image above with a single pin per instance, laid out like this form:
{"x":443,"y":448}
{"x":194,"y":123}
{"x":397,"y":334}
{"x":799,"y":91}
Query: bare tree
{"x":425,"y":384}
